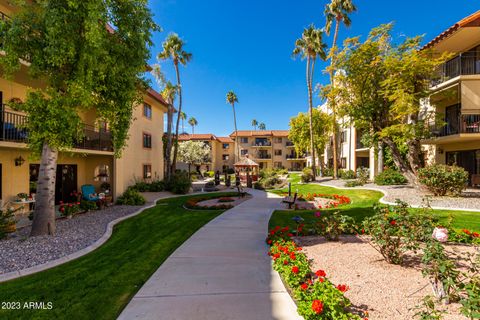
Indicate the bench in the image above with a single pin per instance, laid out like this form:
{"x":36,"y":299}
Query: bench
{"x":290,"y":201}
{"x":242,"y":193}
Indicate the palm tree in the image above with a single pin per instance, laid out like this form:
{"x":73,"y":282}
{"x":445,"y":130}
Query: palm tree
{"x":169,"y":93}
{"x":262,"y":126}
{"x":183,"y":117}
{"x":193,"y":122}
{"x":254,"y":124}
{"x":232,"y":99}
{"x":338,"y":11}
{"x":173,"y":49}
{"x":310,"y":46}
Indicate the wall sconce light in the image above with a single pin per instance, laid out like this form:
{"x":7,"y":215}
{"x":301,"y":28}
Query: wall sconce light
{"x":19,"y":161}
{"x":440,"y":150}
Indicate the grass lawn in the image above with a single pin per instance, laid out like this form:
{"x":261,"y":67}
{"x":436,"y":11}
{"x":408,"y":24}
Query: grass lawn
{"x":360,"y":207}
{"x":100,"y":284}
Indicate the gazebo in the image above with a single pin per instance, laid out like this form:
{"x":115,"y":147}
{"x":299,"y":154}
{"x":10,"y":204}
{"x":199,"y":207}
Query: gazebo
{"x":247,"y":167}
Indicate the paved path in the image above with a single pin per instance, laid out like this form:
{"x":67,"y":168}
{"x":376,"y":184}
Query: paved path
{"x":221,"y":273}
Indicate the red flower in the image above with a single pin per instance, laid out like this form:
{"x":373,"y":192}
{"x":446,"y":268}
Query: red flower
{"x":272,"y":232}
{"x":317,"y":306}
{"x":285,"y":262}
{"x":285,"y":229}
{"x":343,"y":287}
{"x":290,"y":235}
{"x":299,"y":249}
{"x":321,"y":279}
{"x":295,"y":269}
{"x":393,"y":222}
{"x":276,"y":256}
{"x":476,"y":234}
{"x":467,"y":231}
{"x":320,"y":273}
{"x":292,"y":256}
{"x":304,"y":286}
{"x":269,"y":241}
{"x":363,"y":231}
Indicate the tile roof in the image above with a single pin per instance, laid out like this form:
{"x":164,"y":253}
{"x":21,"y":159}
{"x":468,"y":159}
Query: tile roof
{"x":201,"y":136}
{"x":156,"y":95}
{"x":472,"y":20}
{"x":225,"y":139}
{"x":261,"y":133}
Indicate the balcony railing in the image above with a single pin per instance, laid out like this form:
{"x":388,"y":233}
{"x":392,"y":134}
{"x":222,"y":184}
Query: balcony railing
{"x":263,"y":156}
{"x":294,"y":156}
{"x":262,"y":144}
{"x":289,"y":144}
{"x":466,"y":123}
{"x":466,"y":63}
{"x":13,"y":129}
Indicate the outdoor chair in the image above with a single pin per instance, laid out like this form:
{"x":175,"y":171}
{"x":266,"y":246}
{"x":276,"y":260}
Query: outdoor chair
{"x":290,"y":201}
{"x":88,"y":193}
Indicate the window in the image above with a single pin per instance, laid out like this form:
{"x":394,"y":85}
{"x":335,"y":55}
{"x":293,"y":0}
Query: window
{"x":278,"y":140}
{"x":243,"y":140}
{"x":343,"y":163}
{"x":278,"y":165}
{"x":226,"y":146}
{"x":343,"y":136}
{"x":225,"y":157}
{"x":278,"y":152}
{"x":147,"y":110}
{"x":243,"y":152}
{"x":147,"y":140}
{"x":147,"y":171}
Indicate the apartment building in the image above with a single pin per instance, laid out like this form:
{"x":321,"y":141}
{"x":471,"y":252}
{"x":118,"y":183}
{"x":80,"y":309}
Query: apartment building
{"x":222,"y":152}
{"x":455,"y":96}
{"x":92,"y":160}
{"x":270,"y":149}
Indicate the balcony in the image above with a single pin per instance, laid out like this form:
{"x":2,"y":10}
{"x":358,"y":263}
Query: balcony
{"x":465,"y":123}
{"x":263,"y":156}
{"x":12,"y":129}
{"x":295,"y":157}
{"x":262,"y":144}
{"x":465,"y":63}
{"x":289,"y":144}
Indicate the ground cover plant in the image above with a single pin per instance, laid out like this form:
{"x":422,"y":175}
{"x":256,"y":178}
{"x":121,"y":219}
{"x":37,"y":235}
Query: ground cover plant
{"x":100,"y":284}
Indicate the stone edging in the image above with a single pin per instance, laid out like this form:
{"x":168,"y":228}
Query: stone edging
{"x":48,"y":265}
{"x":385,"y":193}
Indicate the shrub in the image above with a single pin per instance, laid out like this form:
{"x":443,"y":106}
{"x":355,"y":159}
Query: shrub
{"x":257,"y":185}
{"x":353,"y":183}
{"x":307,"y":175}
{"x":131,"y":197}
{"x":390,"y":177}
{"x":363,"y":175}
{"x":7,"y":220}
{"x":210,"y":174}
{"x":179,"y":183}
{"x":327,"y":172}
{"x":69,"y":209}
{"x":157,"y":186}
{"x":442,"y":179}
{"x":86,"y":205}
{"x":331,"y":226}
{"x":346,"y":174}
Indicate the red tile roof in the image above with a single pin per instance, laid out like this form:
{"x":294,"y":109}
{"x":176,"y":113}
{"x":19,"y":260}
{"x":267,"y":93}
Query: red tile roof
{"x":155,"y":95}
{"x":472,"y":20}
{"x":225,"y":139}
{"x":201,"y":136}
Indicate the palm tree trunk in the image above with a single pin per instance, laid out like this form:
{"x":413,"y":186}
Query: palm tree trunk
{"x":168,"y":149}
{"x":310,"y":104}
{"x":175,"y":150}
{"x":44,"y":215}
{"x":333,"y":101}
{"x":237,"y":155}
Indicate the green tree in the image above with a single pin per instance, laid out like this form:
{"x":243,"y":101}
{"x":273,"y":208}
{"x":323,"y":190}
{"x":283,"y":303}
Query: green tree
{"x":337,"y":11}
{"x":254,"y":124}
{"x":262,"y":126}
{"x":193,"y":153}
{"x":310,"y":46}
{"x":299,"y":132}
{"x":173,"y":50}
{"x":193,"y":122}
{"x":381,"y":88}
{"x":89,"y":54}
{"x":183,"y":117}
{"x":232,"y":99}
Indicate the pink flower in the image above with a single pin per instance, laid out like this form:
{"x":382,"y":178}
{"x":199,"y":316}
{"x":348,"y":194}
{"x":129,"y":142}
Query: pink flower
{"x":318,"y":214}
{"x":440,"y":234}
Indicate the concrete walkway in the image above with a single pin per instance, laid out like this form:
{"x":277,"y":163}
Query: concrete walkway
{"x":222,"y":272}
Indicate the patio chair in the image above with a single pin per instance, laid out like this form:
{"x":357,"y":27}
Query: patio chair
{"x":88,"y":193}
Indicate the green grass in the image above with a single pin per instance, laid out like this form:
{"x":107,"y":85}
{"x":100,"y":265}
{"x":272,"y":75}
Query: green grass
{"x":100,"y":284}
{"x":361,"y":207}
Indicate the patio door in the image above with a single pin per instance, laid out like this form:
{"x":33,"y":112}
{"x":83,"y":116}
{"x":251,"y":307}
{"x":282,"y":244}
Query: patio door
{"x":465,"y":159}
{"x":66,"y":183}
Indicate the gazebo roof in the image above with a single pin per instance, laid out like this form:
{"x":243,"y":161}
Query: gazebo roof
{"x":246,"y":162}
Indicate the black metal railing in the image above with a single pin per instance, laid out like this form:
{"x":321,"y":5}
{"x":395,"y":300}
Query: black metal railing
{"x":263,"y":156}
{"x":466,"y":123}
{"x":289,"y":144}
{"x":262,"y":144}
{"x":466,"y":63}
{"x":13,"y":129}
{"x":294,"y":156}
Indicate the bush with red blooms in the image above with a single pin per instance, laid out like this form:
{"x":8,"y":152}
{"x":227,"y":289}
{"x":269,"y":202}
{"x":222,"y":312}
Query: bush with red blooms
{"x":316,"y":296}
{"x":193,"y":204}
{"x":464,"y":236}
{"x":69,"y":209}
{"x":337,"y":200}
{"x":332,"y":225}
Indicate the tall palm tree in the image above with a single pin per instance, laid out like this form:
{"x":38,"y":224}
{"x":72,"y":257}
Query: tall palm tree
{"x":336,"y":11}
{"x":309,"y":47}
{"x":173,"y":49}
{"x":183,"y":117}
{"x":169,"y":93}
{"x":262,"y":126}
{"x":232,"y":99}
{"x":254,"y":124}
{"x":193,"y":122}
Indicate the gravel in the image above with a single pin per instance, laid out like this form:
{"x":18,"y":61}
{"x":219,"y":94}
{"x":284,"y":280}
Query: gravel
{"x":21,"y":251}
{"x":385,"y":290}
{"x":470,"y":198}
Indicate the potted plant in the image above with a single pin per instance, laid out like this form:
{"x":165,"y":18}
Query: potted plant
{"x":105,"y":187}
{"x":22,"y":197}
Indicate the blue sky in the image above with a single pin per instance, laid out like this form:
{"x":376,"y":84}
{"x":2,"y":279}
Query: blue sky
{"x":246,"y":46}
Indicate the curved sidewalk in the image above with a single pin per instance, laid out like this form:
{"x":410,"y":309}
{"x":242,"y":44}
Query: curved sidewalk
{"x":222,"y":272}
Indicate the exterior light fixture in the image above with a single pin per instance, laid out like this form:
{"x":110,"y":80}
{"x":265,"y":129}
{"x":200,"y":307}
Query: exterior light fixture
{"x":19,"y":161}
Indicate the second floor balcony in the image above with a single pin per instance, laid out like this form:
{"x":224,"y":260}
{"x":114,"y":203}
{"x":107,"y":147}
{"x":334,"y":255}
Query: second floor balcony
{"x":263,"y":156}
{"x":466,"y":63}
{"x":294,"y":156}
{"x":464,"y":123}
{"x":12,"y":129}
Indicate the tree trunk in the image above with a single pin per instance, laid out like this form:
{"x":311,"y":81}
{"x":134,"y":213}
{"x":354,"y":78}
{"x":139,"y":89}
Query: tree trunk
{"x":310,"y":108}
{"x":404,"y":167}
{"x":168,"y":149}
{"x":44,"y":215}
{"x":237,"y":151}
{"x":413,"y":155}
{"x":333,"y":102}
{"x":175,"y":150}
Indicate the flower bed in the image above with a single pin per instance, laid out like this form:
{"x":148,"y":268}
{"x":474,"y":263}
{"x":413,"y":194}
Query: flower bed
{"x":193,"y":204}
{"x":337,"y":199}
{"x":316,"y":297}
